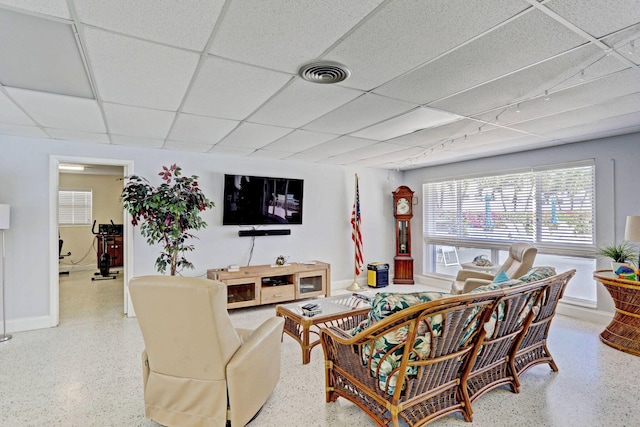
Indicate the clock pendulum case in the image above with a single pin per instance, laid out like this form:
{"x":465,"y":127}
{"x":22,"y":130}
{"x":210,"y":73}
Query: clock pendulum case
{"x":403,"y":212}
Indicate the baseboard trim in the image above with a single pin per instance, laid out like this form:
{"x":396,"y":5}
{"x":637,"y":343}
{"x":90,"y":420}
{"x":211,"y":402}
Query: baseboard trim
{"x":584,"y":313}
{"x":28,"y":324}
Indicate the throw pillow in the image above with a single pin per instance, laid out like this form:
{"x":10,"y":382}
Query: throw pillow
{"x":537,"y":273}
{"x":501,"y":277}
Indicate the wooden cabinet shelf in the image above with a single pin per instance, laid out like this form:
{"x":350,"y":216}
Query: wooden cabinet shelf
{"x":266,"y":284}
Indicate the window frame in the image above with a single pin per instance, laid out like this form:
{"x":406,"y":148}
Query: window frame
{"x":80,"y":207}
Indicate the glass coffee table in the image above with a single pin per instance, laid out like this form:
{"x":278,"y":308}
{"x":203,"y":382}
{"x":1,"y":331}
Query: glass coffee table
{"x":344,"y":311}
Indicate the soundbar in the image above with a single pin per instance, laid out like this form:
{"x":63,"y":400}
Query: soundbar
{"x":251,"y":233}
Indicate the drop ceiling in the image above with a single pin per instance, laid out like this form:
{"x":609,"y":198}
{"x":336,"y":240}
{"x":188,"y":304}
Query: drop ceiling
{"x":431,"y":82}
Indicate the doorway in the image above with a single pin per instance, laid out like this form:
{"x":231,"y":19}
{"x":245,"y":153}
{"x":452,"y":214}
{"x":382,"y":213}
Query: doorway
{"x":99,"y":178}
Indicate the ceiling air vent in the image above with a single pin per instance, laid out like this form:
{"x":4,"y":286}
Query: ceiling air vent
{"x":324,"y":72}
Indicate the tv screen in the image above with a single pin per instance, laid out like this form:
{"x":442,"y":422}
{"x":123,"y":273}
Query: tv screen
{"x":258,"y":200}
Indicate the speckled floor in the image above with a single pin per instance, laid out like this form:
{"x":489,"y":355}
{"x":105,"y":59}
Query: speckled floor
{"x":86,"y":372}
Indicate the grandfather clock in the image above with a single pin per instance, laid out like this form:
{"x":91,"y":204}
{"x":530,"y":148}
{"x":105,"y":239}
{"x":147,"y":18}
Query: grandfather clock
{"x":403,"y":212}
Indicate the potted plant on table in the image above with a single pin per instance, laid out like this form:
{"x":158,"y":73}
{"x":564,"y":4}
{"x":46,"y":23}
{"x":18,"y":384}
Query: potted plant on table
{"x":167,"y":213}
{"x":620,"y":254}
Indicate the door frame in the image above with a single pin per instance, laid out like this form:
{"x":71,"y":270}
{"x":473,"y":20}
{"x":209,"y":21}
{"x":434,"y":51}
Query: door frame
{"x":54,"y":279}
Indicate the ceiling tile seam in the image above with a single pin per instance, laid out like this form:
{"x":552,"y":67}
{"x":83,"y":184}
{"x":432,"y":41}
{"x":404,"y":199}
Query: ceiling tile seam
{"x":579,"y":31}
{"x":512,"y":104}
{"x":35,"y":14}
{"x":459,"y":46}
{"x":354,"y":28}
{"x":485,"y":82}
{"x":570,"y":110}
{"x":196,"y":71}
{"x":78,"y":32}
{"x":10,"y":98}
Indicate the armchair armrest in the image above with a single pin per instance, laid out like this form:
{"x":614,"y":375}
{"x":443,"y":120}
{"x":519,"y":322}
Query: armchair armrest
{"x":254,"y":371}
{"x":472,"y":274}
{"x":471,"y":284}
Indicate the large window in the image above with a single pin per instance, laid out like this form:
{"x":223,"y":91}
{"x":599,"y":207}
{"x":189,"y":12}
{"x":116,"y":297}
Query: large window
{"x":74,"y":207}
{"x":552,"y":207}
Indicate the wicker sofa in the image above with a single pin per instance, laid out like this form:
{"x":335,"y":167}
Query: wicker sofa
{"x":421,"y":356}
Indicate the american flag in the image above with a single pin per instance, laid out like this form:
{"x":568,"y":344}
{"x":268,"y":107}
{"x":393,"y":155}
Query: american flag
{"x":356,"y":235}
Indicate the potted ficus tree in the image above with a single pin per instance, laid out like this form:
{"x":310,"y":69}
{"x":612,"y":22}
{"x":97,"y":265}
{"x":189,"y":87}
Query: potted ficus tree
{"x":167,"y":214}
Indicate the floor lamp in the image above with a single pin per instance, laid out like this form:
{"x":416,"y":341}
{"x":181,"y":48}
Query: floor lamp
{"x":4,"y":225}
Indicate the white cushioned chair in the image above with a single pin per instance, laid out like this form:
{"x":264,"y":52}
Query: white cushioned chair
{"x":198,"y":370}
{"x":520,"y":260}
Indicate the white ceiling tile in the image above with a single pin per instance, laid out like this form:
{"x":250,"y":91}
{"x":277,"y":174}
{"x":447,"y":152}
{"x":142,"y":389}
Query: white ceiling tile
{"x":285,"y":35}
{"x":418,"y":119}
{"x":428,"y":137}
{"x":598,"y":17}
{"x":529,"y":83}
{"x":264,"y":154}
{"x":136,"y":72}
{"x":586,"y":94}
{"x":335,"y":147}
{"x":626,"y":43}
{"x":137,"y":122}
{"x":231,"y":90}
{"x":299,"y":140}
{"x":600,"y":128}
{"x":187,"y":146}
{"x":406,"y":34}
{"x":41,"y":54}
{"x":583,"y":116}
{"x":291,"y":107}
{"x":59,"y":111}
{"x":200,"y":129}
{"x":396,"y":156}
{"x":251,"y":135}
{"x":72,"y":135}
{"x":232,"y":151}
{"x":11,"y":114}
{"x":21,"y":130}
{"x":48,"y":7}
{"x":373,"y":150}
{"x":137,"y":141}
{"x":519,"y":43}
{"x":363,"y":111}
{"x":174,"y":23}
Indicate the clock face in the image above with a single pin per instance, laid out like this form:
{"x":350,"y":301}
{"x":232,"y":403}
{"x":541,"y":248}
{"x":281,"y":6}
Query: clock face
{"x":403,"y":207}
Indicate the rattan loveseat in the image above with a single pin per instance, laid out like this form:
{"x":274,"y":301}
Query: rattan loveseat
{"x":421,"y":356}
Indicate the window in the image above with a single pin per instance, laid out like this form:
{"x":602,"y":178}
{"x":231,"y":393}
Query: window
{"x":552,"y":207}
{"x":74,"y":207}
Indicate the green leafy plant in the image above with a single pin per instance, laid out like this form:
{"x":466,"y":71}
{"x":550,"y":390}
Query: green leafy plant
{"x":167,"y":213}
{"x":621,"y":252}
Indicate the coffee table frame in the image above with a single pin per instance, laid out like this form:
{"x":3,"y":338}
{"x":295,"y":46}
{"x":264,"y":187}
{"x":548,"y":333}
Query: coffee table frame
{"x":301,"y":327}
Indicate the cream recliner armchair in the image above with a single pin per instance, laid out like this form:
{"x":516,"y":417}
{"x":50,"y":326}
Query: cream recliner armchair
{"x":520,"y":260}
{"x":197,"y":369}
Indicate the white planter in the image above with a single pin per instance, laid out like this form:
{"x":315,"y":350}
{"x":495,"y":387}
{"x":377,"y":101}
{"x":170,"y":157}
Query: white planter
{"x":616,"y":265}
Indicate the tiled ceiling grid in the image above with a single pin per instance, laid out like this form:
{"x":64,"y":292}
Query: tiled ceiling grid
{"x":431,"y":82}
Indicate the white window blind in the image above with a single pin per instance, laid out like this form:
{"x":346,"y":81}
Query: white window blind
{"x":552,"y":207}
{"x":74,"y":207}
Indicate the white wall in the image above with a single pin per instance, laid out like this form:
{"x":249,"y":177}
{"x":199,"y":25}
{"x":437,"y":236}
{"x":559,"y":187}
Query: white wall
{"x":617,"y":161}
{"x":325,"y":234}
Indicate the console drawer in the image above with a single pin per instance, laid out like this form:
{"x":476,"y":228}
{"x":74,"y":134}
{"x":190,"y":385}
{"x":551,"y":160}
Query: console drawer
{"x":273,"y":294}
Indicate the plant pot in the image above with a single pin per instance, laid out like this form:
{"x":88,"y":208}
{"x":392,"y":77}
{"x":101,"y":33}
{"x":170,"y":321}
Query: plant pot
{"x":616,"y":265}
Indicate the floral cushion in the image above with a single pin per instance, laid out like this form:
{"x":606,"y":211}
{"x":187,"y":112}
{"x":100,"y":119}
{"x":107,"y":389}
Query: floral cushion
{"x":537,"y":273}
{"x":387,"y":351}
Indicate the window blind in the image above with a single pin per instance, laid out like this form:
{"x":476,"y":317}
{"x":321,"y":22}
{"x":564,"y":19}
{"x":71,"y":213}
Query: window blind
{"x":552,"y":207}
{"x":75,"y":207}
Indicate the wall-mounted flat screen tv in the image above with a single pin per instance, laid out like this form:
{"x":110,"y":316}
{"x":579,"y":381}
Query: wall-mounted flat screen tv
{"x":258,"y":200}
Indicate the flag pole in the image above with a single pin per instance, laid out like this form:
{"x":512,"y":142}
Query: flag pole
{"x":356,"y":229}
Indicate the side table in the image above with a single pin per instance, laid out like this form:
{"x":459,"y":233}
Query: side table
{"x":623,"y":333}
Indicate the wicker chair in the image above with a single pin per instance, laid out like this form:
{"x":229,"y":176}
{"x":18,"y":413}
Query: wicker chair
{"x":417,"y":389}
{"x":532,"y":349}
{"x":493,"y":365}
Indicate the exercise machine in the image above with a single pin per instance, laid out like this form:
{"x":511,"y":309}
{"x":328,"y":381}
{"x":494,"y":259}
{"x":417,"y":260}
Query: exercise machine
{"x":104,"y":263}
